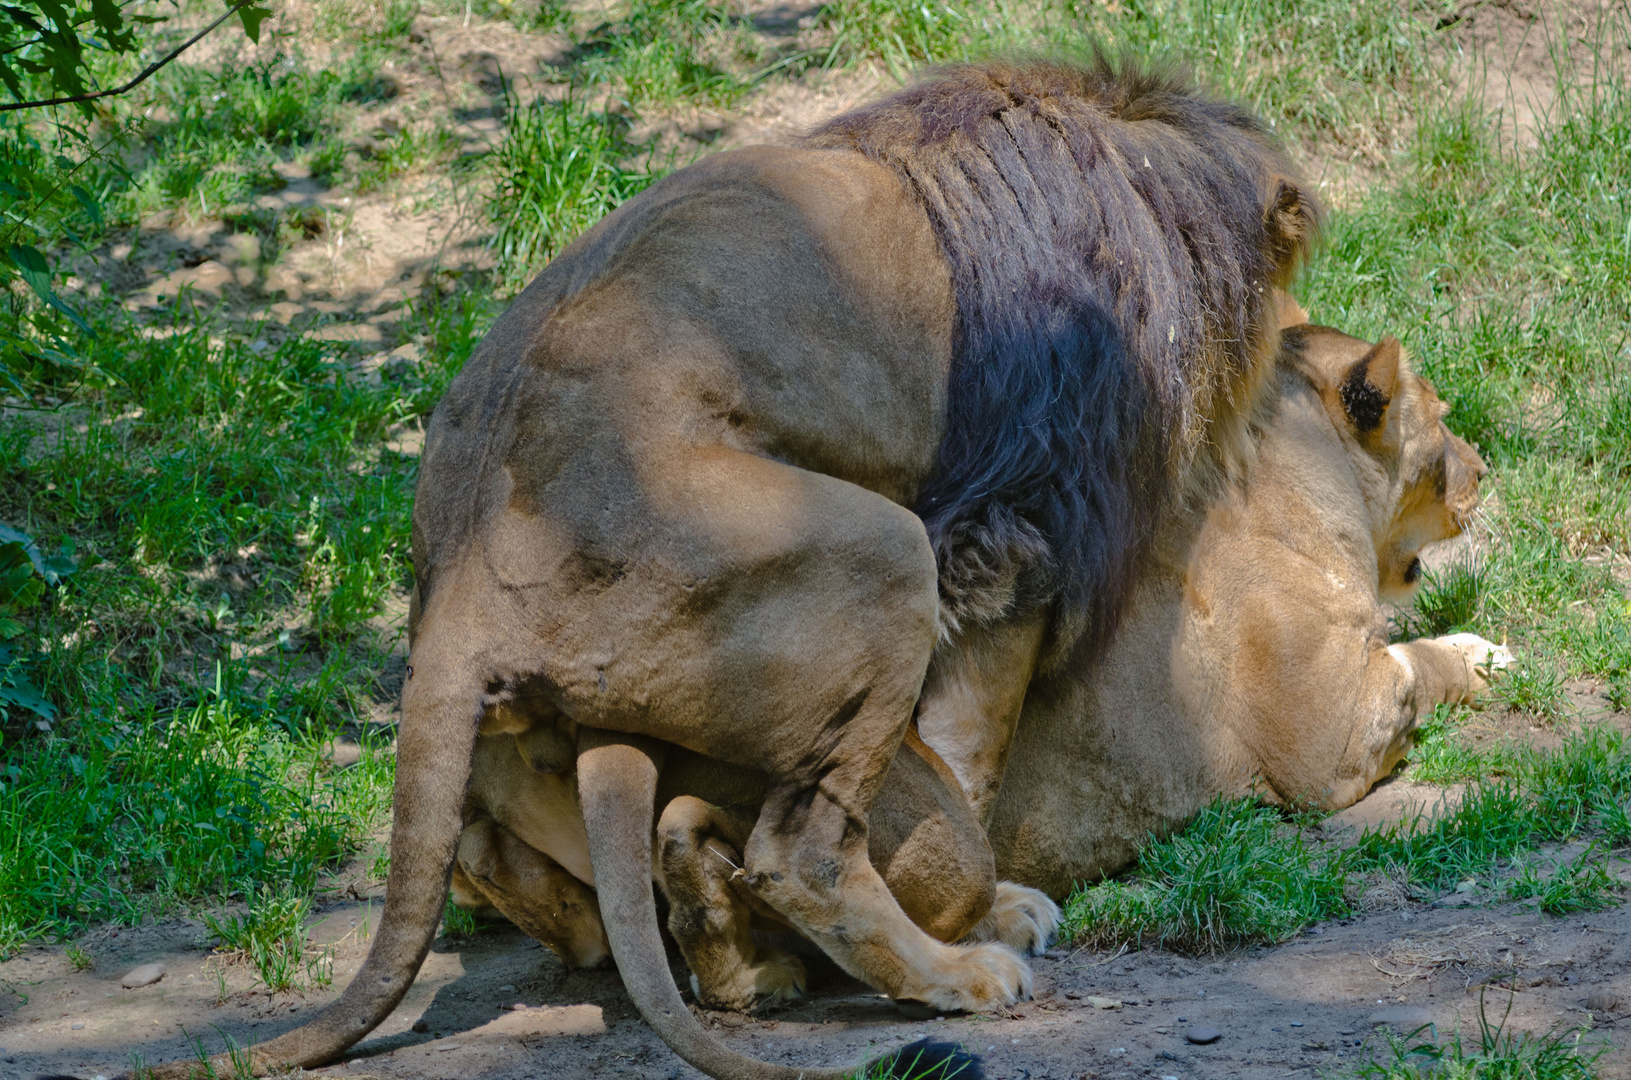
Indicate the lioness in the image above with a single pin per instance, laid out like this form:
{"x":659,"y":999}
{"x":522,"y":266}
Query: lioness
{"x":1254,"y":656}
{"x":671,"y":496}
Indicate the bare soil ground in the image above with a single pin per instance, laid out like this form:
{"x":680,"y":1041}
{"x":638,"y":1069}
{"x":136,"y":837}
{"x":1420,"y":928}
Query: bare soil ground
{"x":497,"y":1006}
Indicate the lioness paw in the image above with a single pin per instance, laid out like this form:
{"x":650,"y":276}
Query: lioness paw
{"x":977,"y":978}
{"x":1482,"y":654}
{"x":1021,"y":918}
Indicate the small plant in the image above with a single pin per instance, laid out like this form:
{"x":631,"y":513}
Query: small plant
{"x":457,"y":922}
{"x":79,"y":959}
{"x":561,"y":167}
{"x":24,"y":574}
{"x":1448,"y":601}
{"x":1584,"y":884}
{"x":1536,"y":689}
{"x":271,"y":936}
{"x":902,"y":32}
{"x":1497,"y":1055}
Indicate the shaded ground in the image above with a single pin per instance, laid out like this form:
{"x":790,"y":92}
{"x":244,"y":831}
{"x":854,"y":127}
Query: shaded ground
{"x":1295,"y":1009}
{"x":1299,"y":1008}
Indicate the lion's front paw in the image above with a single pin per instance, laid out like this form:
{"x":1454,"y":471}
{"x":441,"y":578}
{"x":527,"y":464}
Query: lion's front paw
{"x":1021,"y":917}
{"x":977,"y":978}
{"x":776,"y":979}
{"x":1483,"y":657}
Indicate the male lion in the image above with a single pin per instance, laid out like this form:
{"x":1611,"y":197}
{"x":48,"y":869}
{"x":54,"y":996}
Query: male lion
{"x":1254,"y":655}
{"x":670,"y":498}
{"x":1349,"y":434}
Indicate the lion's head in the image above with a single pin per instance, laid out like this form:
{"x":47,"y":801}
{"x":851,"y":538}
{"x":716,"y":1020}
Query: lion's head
{"x":1420,"y":480}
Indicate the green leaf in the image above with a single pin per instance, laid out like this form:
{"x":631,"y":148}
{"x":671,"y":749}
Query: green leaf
{"x":252,"y":17}
{"x":37,"y":272}
{"x":15,"y":689}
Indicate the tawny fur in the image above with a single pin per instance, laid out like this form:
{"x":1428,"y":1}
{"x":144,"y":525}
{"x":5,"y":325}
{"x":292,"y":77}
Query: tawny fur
{"x":931,"y":852}
{"x":1254,"y":656}
{"x":669,"y":497}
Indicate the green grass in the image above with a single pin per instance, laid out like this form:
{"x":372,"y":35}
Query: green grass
{"x":270,"y":934}
{"x":113,"y":818}
{"x":1492,"y":1054}
{"x":561,"y":167}
{"x":1237,"y":875}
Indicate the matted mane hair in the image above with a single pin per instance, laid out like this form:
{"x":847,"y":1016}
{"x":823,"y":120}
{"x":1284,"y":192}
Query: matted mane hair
{"x":1113,"y":238}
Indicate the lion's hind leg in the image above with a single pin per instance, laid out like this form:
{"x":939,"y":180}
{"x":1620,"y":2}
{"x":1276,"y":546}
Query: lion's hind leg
{"x":532,"y":891}
{"x":1021,"y":917}
{"x":710,"y":919}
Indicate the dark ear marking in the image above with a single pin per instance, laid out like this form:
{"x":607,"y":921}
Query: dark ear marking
{"x":1368,"y":387}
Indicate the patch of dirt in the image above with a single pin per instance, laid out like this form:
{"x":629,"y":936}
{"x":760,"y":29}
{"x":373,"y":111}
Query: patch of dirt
{"x":1296,"y":1009}
{"x":1516,"y":53}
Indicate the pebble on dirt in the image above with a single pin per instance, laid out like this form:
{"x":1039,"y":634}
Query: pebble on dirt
{"x":1403,"y":1018}
{"x":1201,"y":1036}
{"x":146,"y":975}
{"x":1602,"y":1001}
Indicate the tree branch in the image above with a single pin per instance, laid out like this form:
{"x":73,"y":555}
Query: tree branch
{"x":12,"y":106}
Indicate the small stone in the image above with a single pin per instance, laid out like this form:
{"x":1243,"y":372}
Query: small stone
{"x":76,"y":1027}
{"x":1201,"y":1036}
{"x":1167,"y":1055}
{"x":1073,"y":995}
{"x":420,"y":1027}
{"x":1602,"y":1001}
{"x":1316,"y":1046}
{"x":1402,"y":1018}
{"x":1296,"y":1023}
{"x":449,"y":1046}
{"x":146,"y":975}
{"x":1104,"y":1002}
{"x":506,"y":989}
{"x":1345,"y":1031}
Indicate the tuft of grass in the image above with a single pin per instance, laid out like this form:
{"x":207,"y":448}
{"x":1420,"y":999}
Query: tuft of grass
{"x":1236,"y":875}
{"x":271,"y":935}
{"x":1533,"y":688}
{"x":79,"y":959}
{"x":903,"y":33}
{"x":457,"y":922}
{"x":1582,"y":884}
{"x":561,"y":167}
{"x":666,"y":51}
{"x":1495,"y":1055}
{"x":1447,"y":602}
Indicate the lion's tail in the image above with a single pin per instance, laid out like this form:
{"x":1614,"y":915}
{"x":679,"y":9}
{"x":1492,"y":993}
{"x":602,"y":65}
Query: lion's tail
{"x":441,"y":708}
{"x":617,"y":788}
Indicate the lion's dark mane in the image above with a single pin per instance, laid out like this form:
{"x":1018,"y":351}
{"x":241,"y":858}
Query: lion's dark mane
{"x":1112,"y":257}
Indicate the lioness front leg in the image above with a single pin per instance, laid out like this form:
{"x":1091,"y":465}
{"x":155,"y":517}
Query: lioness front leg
{"x":1401,"y":683}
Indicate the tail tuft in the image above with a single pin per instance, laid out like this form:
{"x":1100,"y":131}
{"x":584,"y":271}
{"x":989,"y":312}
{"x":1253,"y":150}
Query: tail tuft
{"x":925,"y":1060}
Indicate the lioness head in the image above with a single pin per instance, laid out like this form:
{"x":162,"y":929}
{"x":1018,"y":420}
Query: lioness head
{"x":1420,"y":480}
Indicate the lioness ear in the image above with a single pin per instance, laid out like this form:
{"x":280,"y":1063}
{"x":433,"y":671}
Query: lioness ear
{"x":1367,"y":388}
